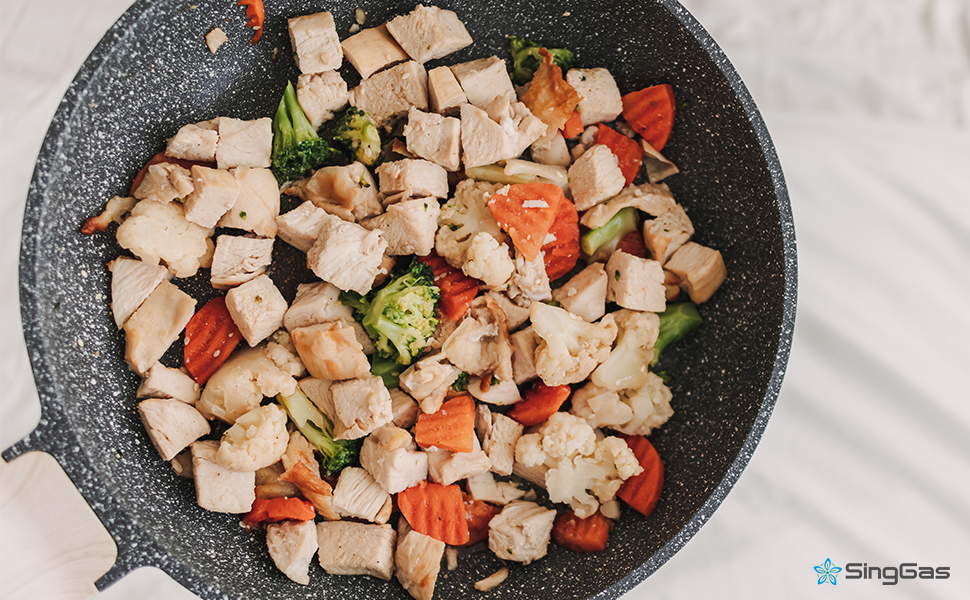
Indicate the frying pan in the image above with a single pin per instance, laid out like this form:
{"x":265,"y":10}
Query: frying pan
{"x":152,"y":73}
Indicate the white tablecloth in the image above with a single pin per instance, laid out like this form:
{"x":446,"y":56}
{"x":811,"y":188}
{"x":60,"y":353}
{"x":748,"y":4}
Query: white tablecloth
{"x":867,"y":457}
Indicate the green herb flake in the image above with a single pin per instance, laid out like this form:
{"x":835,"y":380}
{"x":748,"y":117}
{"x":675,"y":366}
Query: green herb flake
{"x":616,"y":275}
{"x":242,"y":214}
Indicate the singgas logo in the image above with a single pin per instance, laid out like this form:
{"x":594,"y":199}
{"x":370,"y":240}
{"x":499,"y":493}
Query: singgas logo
{"x":828,"y":572}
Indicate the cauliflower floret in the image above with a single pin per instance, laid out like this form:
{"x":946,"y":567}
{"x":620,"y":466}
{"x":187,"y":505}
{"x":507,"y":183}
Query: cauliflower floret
{"x":635,"y":411}
{"x":465,"y":221}
{"x":282,"y":352}
{"x":569,"y":347}
{"x":529,"y":283}
{"x":488,"y":261}
{"x":257,"y":440}
{"x":528,"y":450}
{"x":626,"y":366}
{"x":240,"y":384}
{"x":564,"y":435}
{"x":157,"y":232}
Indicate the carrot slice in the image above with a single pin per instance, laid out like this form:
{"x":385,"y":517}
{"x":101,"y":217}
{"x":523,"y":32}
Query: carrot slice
{"x":435,"y":510}
{"x":628,"y":152}
{"x":457,"y":289}
{"x":582,"y":535}
{"x":526,"y":211}
{"x":450,"y":428}
{"x":255,"y":15}
{"x":562,"y":252}
{"x":642,"y":491}
{"x":210,"y":337}
{"x":574,"y":126}
{"x":539,"y":403}
{"x":632,"y":243}
{"x":161,"y":157}
{"x":274,"y":510}
{"x":650,"y":112}
{"x":478,"y":514}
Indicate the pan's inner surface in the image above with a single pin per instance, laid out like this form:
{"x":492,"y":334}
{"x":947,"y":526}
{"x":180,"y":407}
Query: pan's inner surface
{"x":159,"y":76}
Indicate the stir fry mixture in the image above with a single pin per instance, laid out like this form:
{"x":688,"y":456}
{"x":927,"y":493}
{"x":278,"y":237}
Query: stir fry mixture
{"x":498,"y":268}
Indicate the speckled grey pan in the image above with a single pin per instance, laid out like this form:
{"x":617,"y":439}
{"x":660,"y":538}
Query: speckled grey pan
{"x":152,"y":73}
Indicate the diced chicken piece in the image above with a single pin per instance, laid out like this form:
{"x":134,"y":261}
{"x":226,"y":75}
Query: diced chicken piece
{"x":435,"y":138}
{"x":429,"y":380}
{"x":483,"y":141}
{"x":195,"y":141}
{"x":291,"y":545}
{"x":371,"y":50}
{"x":600,"y":95}
{"x":165,"y":382}
{"x":165,"y":182}
{"x":584,"y":294}
{"x":318,"y":303}
{"x":258,"y":439}
{"x":132,"y":281}
{"x":390,"y":457}
{"x":160,"y":232}
{"x":357,"y":495}
{"x":392,"y":92}
{"x":258,"y":203}
{"x":428,"y":32}
{"x":484,"y":79}
{"x":521,"y":532}
{"x":524,"y":355}
{"x":315,"y":43}
{"x":635,"y":283}
{"x":408,"y":227}
{"x":551,"y":149}
{"x":215,"y":193}
{"x":257,"y":308}
{"x":217,"y":488}
{"x":514,"y":314}
{"x":322,"y":94}
{"x":244,"y":143}
{"x":701,"y":270}
{"x":404,"y":409}
{"x":155,"y":325}
{"x":416,"y":178}
{"x":317,"y":491}
{"x":444,"y":91}
{"x":301,"y":226}
{"x":417,"y":561}
{"x":517,"y":120}
{"x":480,"y":344}
{"x":240,"y":384}
{"x":298,"y":449}
{"x":652,"y":199}
{"x":446,"y":467}
{"x":348,"y":192}
{"x":442,"y":332}
{"x":348,"y":548}
{"x":172,"y":425}
{"x":347,"y":255}
{"x":529,"y":283}
{"x":484,"y":487}
{"x":362,"y":405}
{"x":668,"y":232}
{"x":238,"y":259}
{"x":331,"y":351}
{"x":595,"y":177}
{"x":489,"y":389}
{"x":534,"y":474}
{"x":499,"y":442}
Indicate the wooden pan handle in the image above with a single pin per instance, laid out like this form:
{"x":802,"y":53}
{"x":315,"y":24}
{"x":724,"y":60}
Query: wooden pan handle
{"x":54,"y":547}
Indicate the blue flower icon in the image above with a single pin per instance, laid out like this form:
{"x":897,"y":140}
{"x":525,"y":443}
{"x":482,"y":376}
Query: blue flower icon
{"x":827,"y":572}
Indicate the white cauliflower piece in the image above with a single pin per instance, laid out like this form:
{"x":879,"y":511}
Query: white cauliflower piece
{"x":461,"y":224}
{"x":635,"y":411}
{"x":528,"y":450}
{"x":529,"y":283}
{"x":569,"y":348}
{"x":488,"y":261}
{"x":157,"y":232}
{"x":565,"y":435}
{"x":626,"y":366}
{"x":258,"y":439}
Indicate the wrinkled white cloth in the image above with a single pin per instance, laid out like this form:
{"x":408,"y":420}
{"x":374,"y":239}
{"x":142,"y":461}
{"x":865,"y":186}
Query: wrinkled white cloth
{"x":867,"y":457}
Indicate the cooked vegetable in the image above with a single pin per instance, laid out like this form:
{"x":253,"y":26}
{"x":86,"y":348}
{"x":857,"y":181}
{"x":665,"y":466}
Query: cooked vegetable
{"x":569,"y":348}
{"x":628,"y":152}
{"x":599,"y":243}
{"x":457,"y":289}
{"x":650,"y":112}
{"x":399,"y":316}
{"x":582,"y":535}
{"x":460,"y":384}
{"x":642,"y":491}
{"x":451,"y":427}
{"x":550,"y":98}
{"x":210,"y":337}
{"x":318,"y":430}
{"x":675,"y":322}
{"x":387,"y":369}
{"x":256,"y":14}
{"x":297,"y":149}
{"x":274,"y":510}
{"x":526,"y":59}
{"x":562,"y":248}
{"x":539,"y":403}
{"x":435,"y":510}
{"x":478,"y":514}
{"x":632,"y":243}
{"x":356,"y":132}
{"x":574,"y":126}
{"x":498,"y":174}
{"x":526,"y":212}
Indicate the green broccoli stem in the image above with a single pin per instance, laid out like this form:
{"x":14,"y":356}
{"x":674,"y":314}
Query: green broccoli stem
{"x":622,"y":223}
{"x":302,"y":128}
{"x":387,"y":369}
{"x":675,"y":323}
{"x":317,"y":429}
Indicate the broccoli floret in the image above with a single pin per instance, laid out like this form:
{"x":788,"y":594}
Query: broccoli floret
{"x":599,"y":243}
{"x":461,"y":384}
{"x":526,"y":59}
{"x":356,"y":132}
{"x":318,"y":430}
{"x":387,"y":369}
{"x":297,"y":149}
{"x":399,"y":317}
{"x":675,"y":322}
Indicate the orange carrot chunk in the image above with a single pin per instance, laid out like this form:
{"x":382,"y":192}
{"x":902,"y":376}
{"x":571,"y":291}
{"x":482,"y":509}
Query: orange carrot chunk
{"x":274,"y":510}
{"x":539,"y":403}
{"x":436,"y":510}
{"x":642,"y":491}
{"x":650,"y":112}
{"x":562,"y":252}
{"x":478,"y":514}
{"x":457,"y":289}
{"x":574,"y":126}
{"x":628,"y":152}
{"x":526,"y":211}
{"x":451,"y":428}
{"x":582,"y":535}
{"x":632,"y":243}
{"x":255,"y":15}
{"x":210,"y":337}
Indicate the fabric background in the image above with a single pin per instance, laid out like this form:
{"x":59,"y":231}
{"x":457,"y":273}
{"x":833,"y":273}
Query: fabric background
{"x":867,"y":457}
